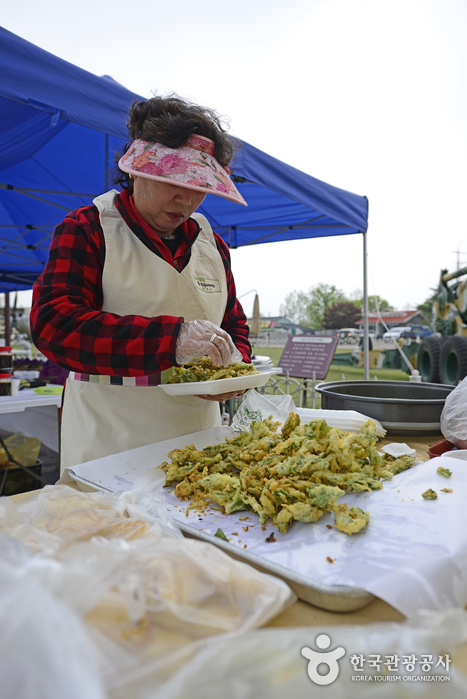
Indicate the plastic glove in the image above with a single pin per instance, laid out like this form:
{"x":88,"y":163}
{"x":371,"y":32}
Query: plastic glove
{"x":200,"y":338}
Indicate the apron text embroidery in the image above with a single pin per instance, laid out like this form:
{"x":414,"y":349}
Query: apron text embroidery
{"x":210,"y":286}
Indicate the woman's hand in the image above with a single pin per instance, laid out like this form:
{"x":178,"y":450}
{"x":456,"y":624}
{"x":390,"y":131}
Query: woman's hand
{"x":200,"y":338}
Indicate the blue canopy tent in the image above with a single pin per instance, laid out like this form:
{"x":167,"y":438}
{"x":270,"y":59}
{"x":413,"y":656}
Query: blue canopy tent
{"x":59,"y":129}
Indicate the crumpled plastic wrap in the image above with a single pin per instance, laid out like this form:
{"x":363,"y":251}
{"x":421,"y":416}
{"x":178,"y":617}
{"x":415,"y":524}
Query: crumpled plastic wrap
{"x":454,"y":416}
{"x":269,"y":663}
{"x":46,"y":520}
{"x":128,"y":598}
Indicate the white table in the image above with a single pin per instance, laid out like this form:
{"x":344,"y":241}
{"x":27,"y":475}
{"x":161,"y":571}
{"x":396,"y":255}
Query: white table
{"x":33,"y":415}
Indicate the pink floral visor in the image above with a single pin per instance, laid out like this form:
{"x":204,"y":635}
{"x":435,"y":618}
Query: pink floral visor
{"x":193,"y":166}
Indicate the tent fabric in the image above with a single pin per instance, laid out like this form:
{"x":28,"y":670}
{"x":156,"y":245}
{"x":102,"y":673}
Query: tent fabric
{"x":60,"y":128}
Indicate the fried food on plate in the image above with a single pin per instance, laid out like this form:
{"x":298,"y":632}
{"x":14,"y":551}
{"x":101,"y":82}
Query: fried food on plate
{"x":205,"y":370}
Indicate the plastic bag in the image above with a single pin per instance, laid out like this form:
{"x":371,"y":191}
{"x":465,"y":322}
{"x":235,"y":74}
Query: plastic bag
{"x":454,"y":416}
{"x":23,"y":449}
{"x":45,"y":650}
{"x":145,"y":597}
{"x":258,"y":407}
{"x":58,"y":515}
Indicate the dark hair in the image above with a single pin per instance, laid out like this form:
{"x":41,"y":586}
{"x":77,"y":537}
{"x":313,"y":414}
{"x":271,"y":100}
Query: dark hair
{"x":171,"y":121}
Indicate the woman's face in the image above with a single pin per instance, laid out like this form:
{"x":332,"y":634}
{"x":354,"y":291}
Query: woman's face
{"x":164,"y":206}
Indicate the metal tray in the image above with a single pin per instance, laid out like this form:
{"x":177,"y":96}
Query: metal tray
{"x":333,"y":598}
{"x":402,"y":407}
{"x":120,"y":471}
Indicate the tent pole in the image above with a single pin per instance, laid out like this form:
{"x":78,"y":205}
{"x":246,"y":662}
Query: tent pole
{"x":7,"y":319}
{"x":106,"y":170}
{"x":366,"y":363}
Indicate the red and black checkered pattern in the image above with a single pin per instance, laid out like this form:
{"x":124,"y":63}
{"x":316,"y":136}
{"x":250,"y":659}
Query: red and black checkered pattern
{"x":68,"y":325}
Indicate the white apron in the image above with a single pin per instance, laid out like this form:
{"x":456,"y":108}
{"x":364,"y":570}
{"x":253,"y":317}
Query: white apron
{"x":101,"y":418}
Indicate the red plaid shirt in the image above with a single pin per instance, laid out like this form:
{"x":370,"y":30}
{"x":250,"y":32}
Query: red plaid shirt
{"x":67,"y":323}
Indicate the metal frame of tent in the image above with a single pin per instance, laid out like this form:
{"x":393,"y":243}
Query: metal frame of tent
{"x":59,"y":129}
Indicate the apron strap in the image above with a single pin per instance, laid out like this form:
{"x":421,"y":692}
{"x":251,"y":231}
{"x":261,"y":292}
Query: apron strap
{"x":149,"y":380}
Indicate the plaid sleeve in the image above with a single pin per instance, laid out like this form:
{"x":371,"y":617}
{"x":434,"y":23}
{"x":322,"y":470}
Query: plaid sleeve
{"x":67,"y":323}
{"x":234,"y":321}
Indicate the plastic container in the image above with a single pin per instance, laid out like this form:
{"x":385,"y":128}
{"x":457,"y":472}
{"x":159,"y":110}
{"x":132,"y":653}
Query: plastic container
{"x":27,"y":375}
{"x":6,"y":359}
{"x":15,"y":384}
{"x":440,"y":447}
{"x":5,"y":383}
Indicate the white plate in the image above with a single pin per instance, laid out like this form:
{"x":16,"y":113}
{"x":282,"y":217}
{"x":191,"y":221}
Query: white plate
{"x":213,"y":388}
{"x":264,"y":368}
{"x":457,"y":454}
{"x":261,"y":359}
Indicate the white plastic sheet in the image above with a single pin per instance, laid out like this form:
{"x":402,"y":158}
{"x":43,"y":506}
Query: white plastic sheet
{"x":412,"y":553}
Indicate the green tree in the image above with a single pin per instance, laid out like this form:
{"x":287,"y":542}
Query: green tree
{"x":322,"y":297}
{"x":307,"y":308}
{"x":295,"y":307}
{"x":375,"y":302}
{"x":341,"y":315}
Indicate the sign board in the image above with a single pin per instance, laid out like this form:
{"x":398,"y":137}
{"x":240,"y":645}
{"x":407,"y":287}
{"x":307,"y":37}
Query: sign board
{"x":305,"y":354}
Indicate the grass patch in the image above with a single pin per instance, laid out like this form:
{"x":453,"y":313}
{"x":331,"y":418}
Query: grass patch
{"x":353,"y":373}
{"x":274,"y":352}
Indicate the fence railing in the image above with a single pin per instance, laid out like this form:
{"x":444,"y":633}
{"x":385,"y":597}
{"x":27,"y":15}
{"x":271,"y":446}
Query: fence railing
{"x":272,"y":339}
{"x":279,"y":338}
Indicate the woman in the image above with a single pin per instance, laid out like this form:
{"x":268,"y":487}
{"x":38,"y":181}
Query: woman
{"x":137,"y":283}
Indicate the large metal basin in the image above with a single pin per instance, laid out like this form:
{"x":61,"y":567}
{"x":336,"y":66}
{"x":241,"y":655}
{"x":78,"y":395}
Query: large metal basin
{"x":402,"y":407}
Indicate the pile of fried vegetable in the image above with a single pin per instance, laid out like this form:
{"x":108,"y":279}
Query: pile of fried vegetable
{"x":204,"y":370}
{"x":298,"y":473}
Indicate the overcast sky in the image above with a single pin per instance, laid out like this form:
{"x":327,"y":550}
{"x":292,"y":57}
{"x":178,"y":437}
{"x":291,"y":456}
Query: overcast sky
{"x":367,"y":95}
